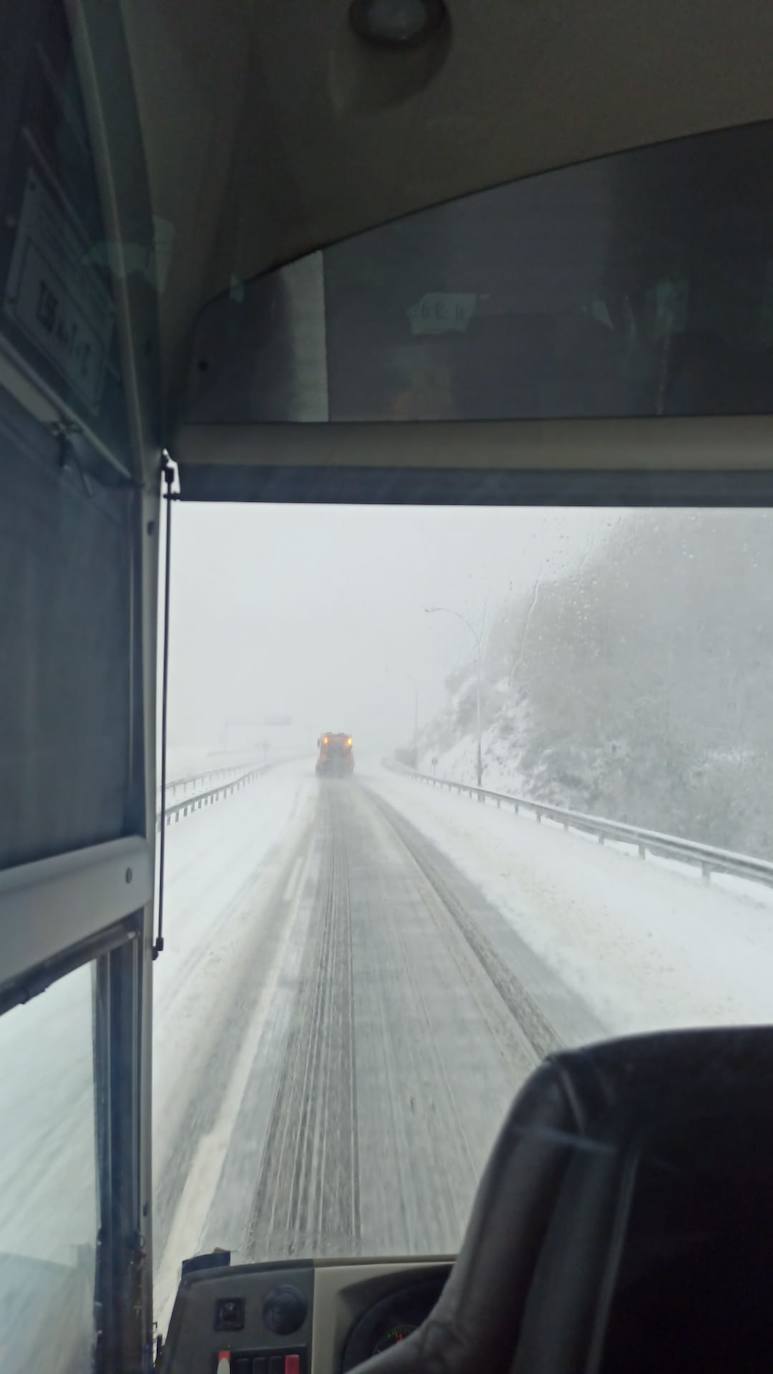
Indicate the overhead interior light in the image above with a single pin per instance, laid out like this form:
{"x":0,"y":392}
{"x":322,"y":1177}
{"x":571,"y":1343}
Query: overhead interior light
{"x":397,"y":23}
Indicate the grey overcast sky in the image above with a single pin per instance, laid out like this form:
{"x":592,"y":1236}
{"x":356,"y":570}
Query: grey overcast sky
{"x":317,"y":612}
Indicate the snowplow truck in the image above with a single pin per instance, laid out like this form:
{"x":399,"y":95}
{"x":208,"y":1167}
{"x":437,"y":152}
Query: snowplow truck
{"x":336,"y":757}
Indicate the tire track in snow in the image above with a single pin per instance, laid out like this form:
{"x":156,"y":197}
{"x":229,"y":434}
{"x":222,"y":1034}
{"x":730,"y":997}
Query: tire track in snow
{"x":530,"y":1017}
{"x":415,"y":1012}
{"x":307,"y":1198}
{"x":385,"y":1104}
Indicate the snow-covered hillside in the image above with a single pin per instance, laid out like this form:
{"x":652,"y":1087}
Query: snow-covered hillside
{"x":637,"y":687}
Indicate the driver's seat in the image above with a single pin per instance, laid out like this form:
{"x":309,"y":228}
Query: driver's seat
{"x":625,"y":1219}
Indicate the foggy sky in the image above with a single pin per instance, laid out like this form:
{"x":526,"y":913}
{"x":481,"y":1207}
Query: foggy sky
{"x":317,"y":612}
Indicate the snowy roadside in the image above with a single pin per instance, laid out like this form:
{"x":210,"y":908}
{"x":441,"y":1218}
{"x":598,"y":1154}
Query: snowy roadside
{"x":220,"y":865}
{"x":645,"y":944}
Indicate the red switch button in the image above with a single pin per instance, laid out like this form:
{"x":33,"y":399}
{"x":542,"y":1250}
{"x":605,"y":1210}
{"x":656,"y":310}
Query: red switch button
{"x":292,"y":1364}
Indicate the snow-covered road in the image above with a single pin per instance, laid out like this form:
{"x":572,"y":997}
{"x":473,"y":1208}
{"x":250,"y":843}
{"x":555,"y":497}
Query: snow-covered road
{"x":357,"y":978}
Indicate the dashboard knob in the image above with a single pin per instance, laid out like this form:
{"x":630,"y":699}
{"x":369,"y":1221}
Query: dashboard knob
{"x":284,"y":1309}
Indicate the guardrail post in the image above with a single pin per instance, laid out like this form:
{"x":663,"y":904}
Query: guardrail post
{"x":705,"y":871}
{"x":642,"y":851}
{"x":601,"y":838}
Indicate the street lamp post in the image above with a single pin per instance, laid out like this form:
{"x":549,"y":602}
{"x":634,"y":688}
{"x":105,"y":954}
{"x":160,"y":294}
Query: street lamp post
{"x":478,"y":640}
{"x":415,"y":719}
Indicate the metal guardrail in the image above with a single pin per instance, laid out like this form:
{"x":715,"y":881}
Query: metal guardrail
{"x":704,"y":856}
{"x":212,"y":794}
{"x":204,"y":775}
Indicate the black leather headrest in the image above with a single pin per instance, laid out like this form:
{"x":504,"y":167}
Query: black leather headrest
{"x":666,"y":1202}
